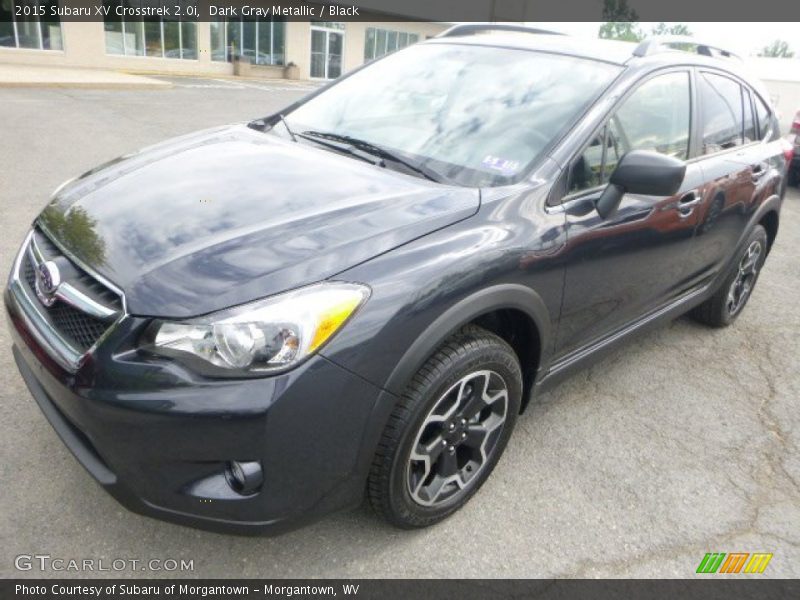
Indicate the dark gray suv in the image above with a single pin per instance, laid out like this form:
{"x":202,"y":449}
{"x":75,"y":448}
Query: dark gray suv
{"x":249,"y":327}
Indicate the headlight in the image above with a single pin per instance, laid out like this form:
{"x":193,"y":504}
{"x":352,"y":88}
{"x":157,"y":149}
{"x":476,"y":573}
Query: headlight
{"x":261,"y":337}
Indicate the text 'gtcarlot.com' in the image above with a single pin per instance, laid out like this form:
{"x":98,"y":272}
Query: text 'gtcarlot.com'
{"x":45,"y":562}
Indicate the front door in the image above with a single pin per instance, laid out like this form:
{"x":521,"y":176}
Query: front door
{"x":327,"y":47}
{"x":620,"y":268}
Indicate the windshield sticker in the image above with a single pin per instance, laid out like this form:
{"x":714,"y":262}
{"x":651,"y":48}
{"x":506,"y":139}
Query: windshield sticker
{"x":497,"y":163}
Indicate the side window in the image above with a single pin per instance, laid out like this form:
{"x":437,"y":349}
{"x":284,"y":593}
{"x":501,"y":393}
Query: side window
{"x":750,"y":127}
{"x":764,"y":117}
{"x":723,"y":119}
{"x":655,"y":117}
{"x":593,"y":167}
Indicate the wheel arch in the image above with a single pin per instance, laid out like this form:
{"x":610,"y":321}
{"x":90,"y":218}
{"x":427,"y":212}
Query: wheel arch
{"x":514,"y":312}
{"x":769,"y":221}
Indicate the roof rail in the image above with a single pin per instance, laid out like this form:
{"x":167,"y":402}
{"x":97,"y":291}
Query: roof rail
{"x":473,"y":28}
{"x":660,"y":43}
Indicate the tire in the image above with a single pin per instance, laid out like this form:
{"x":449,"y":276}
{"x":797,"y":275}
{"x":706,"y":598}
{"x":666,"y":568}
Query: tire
{"x":728,"y":302}
{"x":436,"y":411}
{"x":794,"y":176}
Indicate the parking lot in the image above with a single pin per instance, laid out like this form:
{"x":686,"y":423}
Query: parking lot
{"x":684,"y":442}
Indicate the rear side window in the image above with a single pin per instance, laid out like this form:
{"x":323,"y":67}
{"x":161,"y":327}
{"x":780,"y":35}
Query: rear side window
{"x":722,"y":111}
{"x":654,"y":117}
{"x":764,"y":117}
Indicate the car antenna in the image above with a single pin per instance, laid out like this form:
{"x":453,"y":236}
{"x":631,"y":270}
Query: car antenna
{"x":289,"y":129}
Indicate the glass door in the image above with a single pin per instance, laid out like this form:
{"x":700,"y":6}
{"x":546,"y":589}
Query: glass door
{"x":327,"y":48}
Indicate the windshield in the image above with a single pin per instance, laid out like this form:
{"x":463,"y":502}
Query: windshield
{"x":476,"y":115}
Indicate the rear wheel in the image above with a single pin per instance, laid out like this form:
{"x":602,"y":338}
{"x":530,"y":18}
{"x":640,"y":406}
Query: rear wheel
{"x":448,"y":431}
{"x":723,"y":307}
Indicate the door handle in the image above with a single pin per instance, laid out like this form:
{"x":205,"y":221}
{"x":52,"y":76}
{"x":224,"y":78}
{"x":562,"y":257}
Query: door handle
{"x":758,"y":171}
{"x":688,"y":201}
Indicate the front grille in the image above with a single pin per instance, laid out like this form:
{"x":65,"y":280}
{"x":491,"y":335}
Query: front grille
{"x":79,"y":329}
{"x":75,"y":326}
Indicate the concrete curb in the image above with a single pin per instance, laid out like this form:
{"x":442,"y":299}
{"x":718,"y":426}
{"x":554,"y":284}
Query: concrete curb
{"x":96,"y":85}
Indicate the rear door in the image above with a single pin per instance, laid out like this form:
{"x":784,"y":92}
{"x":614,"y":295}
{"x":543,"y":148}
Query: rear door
{"x":734,"y":162}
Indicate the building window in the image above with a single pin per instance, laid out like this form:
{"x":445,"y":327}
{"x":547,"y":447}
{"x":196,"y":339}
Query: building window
{"x":35,"y":29}
{"x":263,"y":41}
{"x":158,"y":38}
{"x":329,"y":24}
{"x":382,"y":41}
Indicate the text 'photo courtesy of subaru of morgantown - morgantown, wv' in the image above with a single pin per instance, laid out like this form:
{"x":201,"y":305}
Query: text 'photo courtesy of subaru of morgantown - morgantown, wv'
{"x":249,"y":327}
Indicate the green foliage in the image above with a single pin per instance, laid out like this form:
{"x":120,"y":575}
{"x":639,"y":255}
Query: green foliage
{"x":618,"y":10}
{"x":676,"y":29}
{"x":777,"y":49}
{"x":625,"y":31}
{"x":76,"y":229}
{"x":620,"y":22}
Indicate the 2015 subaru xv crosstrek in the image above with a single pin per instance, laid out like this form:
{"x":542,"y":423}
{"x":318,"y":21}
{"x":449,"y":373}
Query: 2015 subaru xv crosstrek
{"x":246,"y":328}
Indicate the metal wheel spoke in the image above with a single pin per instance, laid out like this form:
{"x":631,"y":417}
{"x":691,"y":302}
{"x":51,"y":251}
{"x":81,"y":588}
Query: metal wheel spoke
{"x":476,"y":435}
{"x":434,"y":417}
{"x":479,"y":402}
{"x":475,"y":402}
{"x":438,"y":485}
{"x":420,"y":482}
{"x":475,"y":405}
{"x":447,"y":465}
{"x":429,"y":451}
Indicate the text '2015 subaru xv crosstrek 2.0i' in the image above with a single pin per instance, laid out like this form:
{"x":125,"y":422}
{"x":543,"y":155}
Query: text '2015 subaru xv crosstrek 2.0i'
{"x":249,"y":327}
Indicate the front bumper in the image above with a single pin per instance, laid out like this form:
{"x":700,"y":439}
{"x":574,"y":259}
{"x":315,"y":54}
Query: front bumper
{"x":158,"y":437}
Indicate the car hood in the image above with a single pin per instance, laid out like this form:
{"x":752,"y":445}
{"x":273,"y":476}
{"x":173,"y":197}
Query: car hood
{"x":230,"y":215}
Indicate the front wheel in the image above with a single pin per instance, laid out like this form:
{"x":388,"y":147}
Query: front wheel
{"x":727,"y":303}
{"x":448,"y":431}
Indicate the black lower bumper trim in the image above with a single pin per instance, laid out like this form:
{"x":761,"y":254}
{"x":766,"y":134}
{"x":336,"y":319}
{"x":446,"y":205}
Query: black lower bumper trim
{"x":73,"y":438}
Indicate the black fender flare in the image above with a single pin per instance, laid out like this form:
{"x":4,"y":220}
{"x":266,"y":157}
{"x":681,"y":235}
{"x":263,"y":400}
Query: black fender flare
{"x":771,"y":204}
{"x":497,"y":297}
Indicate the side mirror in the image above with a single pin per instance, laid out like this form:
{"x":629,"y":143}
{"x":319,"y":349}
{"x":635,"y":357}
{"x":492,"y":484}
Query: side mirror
{"x":641,"y":172}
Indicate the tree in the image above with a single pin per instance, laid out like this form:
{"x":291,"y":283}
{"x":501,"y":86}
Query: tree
{"x":620,"y":22}
{"x":625,"y":31}
{"x":676,"y":29}
{"x":618,"y":10}
{"x":777,"y":49}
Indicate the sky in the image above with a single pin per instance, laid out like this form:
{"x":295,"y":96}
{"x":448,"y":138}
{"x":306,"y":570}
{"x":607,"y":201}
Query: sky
{"x":745,"y":39}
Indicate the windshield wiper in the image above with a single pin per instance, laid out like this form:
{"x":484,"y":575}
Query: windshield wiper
{"x":346,"y":148}
{"x":376,"y":150}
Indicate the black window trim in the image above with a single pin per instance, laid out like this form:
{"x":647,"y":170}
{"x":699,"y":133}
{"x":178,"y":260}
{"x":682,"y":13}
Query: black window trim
{"x":749,"y":92}
{"x":769,"y":132}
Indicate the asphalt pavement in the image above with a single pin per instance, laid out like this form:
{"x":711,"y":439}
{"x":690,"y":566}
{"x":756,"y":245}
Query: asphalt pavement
{"x":683,"y":442}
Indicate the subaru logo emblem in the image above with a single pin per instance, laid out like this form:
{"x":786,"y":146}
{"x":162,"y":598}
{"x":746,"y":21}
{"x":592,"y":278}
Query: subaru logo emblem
{"x":48,"y":278}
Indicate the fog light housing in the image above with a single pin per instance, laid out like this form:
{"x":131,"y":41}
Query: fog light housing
{"x":244,"y":477}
